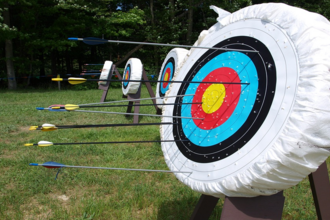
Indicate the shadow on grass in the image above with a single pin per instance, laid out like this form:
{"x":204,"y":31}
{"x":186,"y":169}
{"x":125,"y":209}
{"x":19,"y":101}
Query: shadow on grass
{"x":183,"y":209}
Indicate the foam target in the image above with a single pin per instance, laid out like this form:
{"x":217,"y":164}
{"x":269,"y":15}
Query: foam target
{"x":105,"y":72}
{"x":171,"y":64}
{"x":254,"y":138}
{"x":133,"y":71}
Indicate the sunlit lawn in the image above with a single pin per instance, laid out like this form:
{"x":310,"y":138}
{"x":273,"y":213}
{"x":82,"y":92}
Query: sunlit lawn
{"x":33,"y":193}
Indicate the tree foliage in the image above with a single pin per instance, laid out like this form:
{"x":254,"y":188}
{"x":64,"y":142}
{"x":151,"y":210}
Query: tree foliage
{"x":39,"y":30}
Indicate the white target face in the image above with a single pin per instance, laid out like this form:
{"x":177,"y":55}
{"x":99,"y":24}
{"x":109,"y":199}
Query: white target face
{"x":105,"y":72}
{"x":171,"y":64}
{"x":237,"y":124}
{"x":133,"y":71}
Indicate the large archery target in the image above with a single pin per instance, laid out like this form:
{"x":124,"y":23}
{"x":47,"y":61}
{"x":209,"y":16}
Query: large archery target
{"x":244,"y":139}
{"x":133,"y":71}
{"x":171,"y":64}
{"x":105,"y":72}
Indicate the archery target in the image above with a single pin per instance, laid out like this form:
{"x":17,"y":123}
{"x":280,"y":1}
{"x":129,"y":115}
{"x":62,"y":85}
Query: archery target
{"x":133,"y":71}
{"x":105,"y":72}
{"x":171,"y":64}
{"x":245,"y":138}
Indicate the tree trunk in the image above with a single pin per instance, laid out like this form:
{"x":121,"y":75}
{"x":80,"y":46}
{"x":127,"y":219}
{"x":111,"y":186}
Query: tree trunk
{"x":9,"y":54}
{"x":42,"y":66}
{"x":172,"y":11}
{"x":128,"y":54}
{"x":53,"y":62}
{"x":153,"y":27}
{"x":190,"y":22}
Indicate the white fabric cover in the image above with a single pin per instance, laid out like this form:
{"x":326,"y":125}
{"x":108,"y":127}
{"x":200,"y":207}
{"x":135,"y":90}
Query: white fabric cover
{"x":136,"y":74}
{"x":178,"y":54}
{"x":304,"y":142}
{"x":105,"y":72}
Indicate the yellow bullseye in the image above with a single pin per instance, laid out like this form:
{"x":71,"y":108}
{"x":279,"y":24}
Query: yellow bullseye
{"x":166,"y":77}
{"x":213,"y":98}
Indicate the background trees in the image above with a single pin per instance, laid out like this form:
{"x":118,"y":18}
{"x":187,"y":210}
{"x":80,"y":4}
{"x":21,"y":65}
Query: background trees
{"x":34,"y":33}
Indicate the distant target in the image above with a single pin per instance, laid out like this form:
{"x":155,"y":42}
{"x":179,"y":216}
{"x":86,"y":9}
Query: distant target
{"x":172,"y":62}
{"x":106,"y":70}
{"x":133,"y":71}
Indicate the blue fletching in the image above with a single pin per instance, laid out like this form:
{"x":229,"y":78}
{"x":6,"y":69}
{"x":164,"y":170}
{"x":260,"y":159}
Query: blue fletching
{"x":72,"y":38}
{"x":52,"y":164}
{"x":94,"y":40}
{"x":33,"y":164}
{"x":40,"y":108}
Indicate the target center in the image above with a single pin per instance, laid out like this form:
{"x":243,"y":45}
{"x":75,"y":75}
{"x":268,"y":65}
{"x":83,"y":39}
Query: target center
{"x":213,"y":98}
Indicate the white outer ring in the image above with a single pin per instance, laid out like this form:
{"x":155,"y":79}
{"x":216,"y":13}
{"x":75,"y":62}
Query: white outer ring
{"x":105,"y":72}
{"x":295,"y":149}
{"x":178,"y":54}
{"x":136,"y":74}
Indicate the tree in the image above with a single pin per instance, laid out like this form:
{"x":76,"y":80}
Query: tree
{"x":8,"y":32}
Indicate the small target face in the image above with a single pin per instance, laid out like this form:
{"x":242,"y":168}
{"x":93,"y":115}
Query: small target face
{"x":167,"y":76}
{"x":127,"y":76}
{"x":232,"y":110}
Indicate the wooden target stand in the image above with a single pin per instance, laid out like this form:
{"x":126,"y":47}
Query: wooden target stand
{"x":136,"y":103}
{"x":267,"y":207}
{"x":105,"y":87}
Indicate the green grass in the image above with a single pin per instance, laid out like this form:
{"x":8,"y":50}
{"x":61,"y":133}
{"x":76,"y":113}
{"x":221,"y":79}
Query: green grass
{"x":32,"y":193}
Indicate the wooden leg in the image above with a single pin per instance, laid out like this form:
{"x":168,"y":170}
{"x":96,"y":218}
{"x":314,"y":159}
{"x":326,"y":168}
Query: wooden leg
{"x":204,"y":207}
{"x":260,"y":207}
{"x":136,"y":111}
{"x":320,"y":187}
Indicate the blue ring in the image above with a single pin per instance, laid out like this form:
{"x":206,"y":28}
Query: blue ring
{"x":164,"y":90}
{"x":129,"y":75}
{"x":247,"y":72}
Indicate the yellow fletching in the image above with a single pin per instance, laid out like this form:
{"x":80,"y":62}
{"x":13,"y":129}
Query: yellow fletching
{"x":49,"y":128}
{"x":28,"y":145}
{"x":45,"y":144}
{"x":74,"y":81}
{"x":57,"y":79}
{"x":71,"y":107}
{"x":32,"y":128}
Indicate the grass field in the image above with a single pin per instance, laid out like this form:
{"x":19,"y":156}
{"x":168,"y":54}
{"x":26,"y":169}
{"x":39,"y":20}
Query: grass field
{"x":32,"y":193}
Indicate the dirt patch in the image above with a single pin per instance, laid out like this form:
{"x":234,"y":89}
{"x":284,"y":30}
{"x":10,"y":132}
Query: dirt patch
{"x":8,"y":154}
{"x":35,"y":210}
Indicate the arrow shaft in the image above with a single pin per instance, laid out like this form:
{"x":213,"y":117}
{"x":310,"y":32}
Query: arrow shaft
{"x":96,"y":106}
{"x":133,"y":100}
{"x":159,"y":44}
{"x":108,"y":125}
{"x":122,"y":113}
{"x":117,"y":142}
{"x":110,"y":168}
{"x":157,"y":81}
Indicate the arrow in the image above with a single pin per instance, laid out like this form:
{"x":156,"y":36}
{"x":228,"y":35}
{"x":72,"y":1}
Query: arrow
{"x":89,"y":74}
{"x":122,"y":113}
{"x":51,"y":127}
{"x":72,"y":107}
{"x":88,"y":71}
{"x":96,"y":41}
{"x":98,"y":103}
{"x":77,"y":80}
{"x":53,"y":165}
{"x":48,"y":143}
{"x":88,"y":64}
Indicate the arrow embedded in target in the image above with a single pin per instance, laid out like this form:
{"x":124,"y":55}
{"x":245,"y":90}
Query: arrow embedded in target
{"x":77,"y":80}
{"x":48,"y":143}
{"x":72,"y":107}
{"x":51,"y":127}
{"x":96,"y":41}
{"x":53,"y":165}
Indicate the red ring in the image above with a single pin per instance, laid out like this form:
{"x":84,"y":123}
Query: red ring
{"x":217,"y":118}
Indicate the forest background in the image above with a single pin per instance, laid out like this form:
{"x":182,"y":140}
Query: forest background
{"x":34,"y":33}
